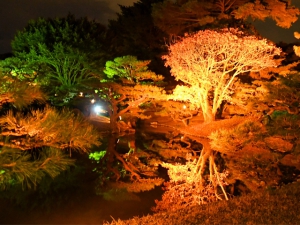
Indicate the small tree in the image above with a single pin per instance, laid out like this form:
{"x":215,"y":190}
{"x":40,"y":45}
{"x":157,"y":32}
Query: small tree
{"x":128,"y":90}
{"x":61,"y":54}
{"x":209,"y":62}
{"x":34,"y":142}
{"x":130,"y":85}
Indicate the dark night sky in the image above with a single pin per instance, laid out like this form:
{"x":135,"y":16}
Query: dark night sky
{"x":14,"y":15}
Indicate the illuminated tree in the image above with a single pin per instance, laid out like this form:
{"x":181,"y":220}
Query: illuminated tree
{"x":270,"y":90}
{"x":271,"y":98}
{"x":177,"y":110}
{"x":130,"y":87}
{"x":177,"y":17}
{"x":20,"y":93}
{"x":61,"y":54}
{"x":143,"y":40}
{"x":36,"y":143}
{"x":209,"y":62}
{"x":281,"y":11}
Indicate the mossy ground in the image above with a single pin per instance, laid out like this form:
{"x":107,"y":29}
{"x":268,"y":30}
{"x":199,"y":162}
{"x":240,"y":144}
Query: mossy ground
{"x":269,"y":206}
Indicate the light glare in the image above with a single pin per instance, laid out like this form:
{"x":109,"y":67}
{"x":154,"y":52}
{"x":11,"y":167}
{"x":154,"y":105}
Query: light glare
{"x":98,"y":109}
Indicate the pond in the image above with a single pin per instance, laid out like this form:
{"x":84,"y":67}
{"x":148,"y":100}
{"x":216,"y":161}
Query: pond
{"x":71,"y":199}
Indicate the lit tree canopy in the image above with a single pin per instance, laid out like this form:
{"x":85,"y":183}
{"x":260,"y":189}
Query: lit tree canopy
{"x":35,"y":139}
{"x":129,"y":85}
{"x":128,"y":67}
{"x":18,"y":92}
{"x":281,"y":11}
{"x":177,"y":17}
{"x":34,"y":144}
{"x":208,"y":62}
{"x":39,"y":129}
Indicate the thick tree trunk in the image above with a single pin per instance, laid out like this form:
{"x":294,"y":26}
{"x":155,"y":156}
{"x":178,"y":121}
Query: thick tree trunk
{"x":208,"y":114}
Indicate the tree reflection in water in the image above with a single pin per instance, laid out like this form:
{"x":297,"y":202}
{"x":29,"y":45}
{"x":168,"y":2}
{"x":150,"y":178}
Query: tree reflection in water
{"x":71,"y":198}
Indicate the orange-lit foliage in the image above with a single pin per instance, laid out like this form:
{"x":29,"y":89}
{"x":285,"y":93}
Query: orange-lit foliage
{"x":47,"y":128}
{"x":178,"y":111}
{"x":129,"y":87}
{"x":177,"y":17}
{"x":18,"y":92}
{"x":281,"y":11}
{"x":209,"y":63}
{"x":297,"y":48}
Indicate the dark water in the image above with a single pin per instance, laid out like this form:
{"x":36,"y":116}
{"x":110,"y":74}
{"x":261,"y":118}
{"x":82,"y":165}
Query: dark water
{"x":86,"y":209}
{"x":71,"y":199}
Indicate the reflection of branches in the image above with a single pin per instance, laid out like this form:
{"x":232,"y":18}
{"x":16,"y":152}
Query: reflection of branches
{"x":198,"y":181}
{"x":110,"y":158}
{"x":189,"y":185}
{"x":128,"y":166}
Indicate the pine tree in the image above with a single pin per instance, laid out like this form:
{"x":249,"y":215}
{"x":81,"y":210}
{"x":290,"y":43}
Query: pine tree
{"x":37,"y":140}
{"x":128,"y":88}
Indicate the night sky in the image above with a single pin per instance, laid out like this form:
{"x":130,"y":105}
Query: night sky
{"x":14,"y":15}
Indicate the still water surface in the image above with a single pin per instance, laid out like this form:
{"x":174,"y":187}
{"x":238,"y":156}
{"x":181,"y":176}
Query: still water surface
{"x":77,"y":203}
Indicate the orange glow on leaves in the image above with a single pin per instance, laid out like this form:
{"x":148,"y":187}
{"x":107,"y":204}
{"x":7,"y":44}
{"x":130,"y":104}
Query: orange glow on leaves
{"x":186,"y":189}
{"x":209,"y":63}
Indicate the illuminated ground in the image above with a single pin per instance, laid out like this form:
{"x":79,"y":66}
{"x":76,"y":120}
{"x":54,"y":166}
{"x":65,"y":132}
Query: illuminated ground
{"x":270,"y":207}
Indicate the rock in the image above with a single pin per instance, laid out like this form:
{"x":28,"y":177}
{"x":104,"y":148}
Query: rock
{"x":278,"y":144}
{"x":291,"y":160}
{"x":262,"y":183}
{"x":261,"y":152}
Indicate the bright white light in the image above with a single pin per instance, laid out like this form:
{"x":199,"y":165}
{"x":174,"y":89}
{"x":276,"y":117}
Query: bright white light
{"x":98,"y":109}
{"x":184,"y":106}
{"x":80,"y":94}
{"x":93,"y":101}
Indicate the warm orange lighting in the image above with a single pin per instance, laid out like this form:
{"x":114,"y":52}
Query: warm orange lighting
{"x":209,"y":62}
